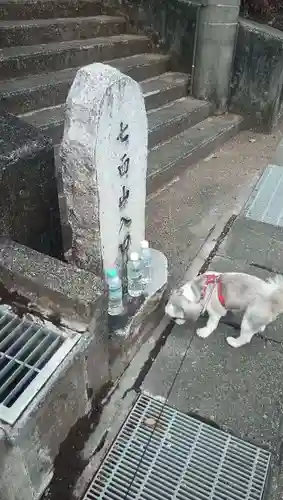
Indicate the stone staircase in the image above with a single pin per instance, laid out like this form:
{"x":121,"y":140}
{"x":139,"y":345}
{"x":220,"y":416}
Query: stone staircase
{"x":44,"y":42}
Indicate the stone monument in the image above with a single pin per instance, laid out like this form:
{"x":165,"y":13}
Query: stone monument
{"x":103,"y":165}
{"x":104,"y":161}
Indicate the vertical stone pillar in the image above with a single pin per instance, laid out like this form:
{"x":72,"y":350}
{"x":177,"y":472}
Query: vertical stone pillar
{"x":216,"y":37}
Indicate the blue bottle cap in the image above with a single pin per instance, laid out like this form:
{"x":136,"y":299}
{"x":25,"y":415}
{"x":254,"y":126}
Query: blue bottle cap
{"x":111,"y":273}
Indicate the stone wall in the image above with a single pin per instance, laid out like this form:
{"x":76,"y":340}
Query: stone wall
{"x":73,"y":300}
{"x":172,"y":26}
{"x":29,"y":211}
{"x":257,"y":83}
{"x":200,"y":35}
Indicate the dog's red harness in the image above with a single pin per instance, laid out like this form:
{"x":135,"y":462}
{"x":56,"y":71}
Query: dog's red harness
{"x":213,"y":279}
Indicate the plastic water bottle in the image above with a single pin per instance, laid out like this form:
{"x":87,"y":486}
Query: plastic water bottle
{"x":146,"y":261}
{"x":115,"y":293}
{"x":134,"y":272}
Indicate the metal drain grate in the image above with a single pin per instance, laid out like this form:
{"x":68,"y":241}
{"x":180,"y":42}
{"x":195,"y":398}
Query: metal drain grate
{"x":185,"y":460}
{"x":29,"y":354}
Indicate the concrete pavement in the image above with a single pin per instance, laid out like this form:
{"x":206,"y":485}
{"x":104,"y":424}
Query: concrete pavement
{"x":239,"y":390}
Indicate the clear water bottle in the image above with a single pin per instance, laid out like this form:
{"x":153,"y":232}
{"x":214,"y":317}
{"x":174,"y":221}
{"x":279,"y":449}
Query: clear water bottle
{"x":115,"y":293}
{"x":146,"y":259}
{"x":134,"y":272}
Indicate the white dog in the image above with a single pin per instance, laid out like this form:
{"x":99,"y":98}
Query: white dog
{"x":215,"y":293}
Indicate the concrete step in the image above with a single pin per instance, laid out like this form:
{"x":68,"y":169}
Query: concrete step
{"x":25,"y":60}
{"x":44,"y":9}
{"x":49,"y":120}
{"x":159,"y":90}
{"x":174,"y":118}
{"x":163,"y":123}
{"x":169,"y":159}
{"x":22,"y":95}
{"x":32,"y":32}
{"x":165,"y":88}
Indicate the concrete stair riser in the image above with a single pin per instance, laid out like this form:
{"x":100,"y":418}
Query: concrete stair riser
{"x":172,"y":158}
{"x":45,"y":9}
{"x":172,"y":119}
{"x":58,"y":30}
{"x":193,"y":112}
{"x":162,"y":89}
{"x":22,"y":61}
{"x":51,"y":89}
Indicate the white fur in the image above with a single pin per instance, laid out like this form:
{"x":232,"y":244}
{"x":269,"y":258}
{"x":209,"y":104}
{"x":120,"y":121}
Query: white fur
{"x":261,"y":301}
{"x":188,"y":292}
{"x":275,"y":283}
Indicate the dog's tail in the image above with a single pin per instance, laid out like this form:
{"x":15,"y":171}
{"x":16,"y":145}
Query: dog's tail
{"x":275,"y":286}
{"x":276,"y":283}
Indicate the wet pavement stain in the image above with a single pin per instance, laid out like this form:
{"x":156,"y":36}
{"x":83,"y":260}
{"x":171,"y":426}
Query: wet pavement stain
{"x":69,"y":464}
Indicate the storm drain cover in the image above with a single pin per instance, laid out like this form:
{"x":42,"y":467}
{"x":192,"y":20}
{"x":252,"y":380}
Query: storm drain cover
{"x":265,"y":203}
{"x":184,"y":460}
{"x":29,"y":354}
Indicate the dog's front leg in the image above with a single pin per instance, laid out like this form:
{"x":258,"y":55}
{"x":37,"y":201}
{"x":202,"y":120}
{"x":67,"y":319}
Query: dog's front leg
{"x":211,"y":325}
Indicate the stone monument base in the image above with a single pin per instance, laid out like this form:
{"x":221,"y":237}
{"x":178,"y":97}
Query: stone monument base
{"x":128,"y":331}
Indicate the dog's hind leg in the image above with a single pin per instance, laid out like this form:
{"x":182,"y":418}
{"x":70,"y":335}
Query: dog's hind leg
{"x":248,"y":329}
{"x":212,"y":324}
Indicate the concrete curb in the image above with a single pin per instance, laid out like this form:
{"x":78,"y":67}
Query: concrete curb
{"x":278,"y":156}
